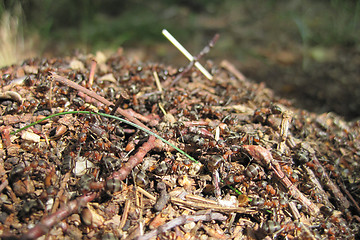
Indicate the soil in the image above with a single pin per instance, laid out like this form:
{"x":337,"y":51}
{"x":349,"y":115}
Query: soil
{"x":250,"y":164}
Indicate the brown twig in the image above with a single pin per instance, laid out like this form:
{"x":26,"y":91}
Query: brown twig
{"x":61,"y":192}
{"x":348,"y":194}
{"x":92,"y":73}
{"x":342,"y":201}
{"x":134,"y":160}
{"x":184,"y":219}
{"x":97,"y":97}
{"x":125,"y":213}
{"x":264,"y":157}
{"x":319,"y":189}
{"x":232,"y":69}
{"x":48,"y":222}
{"x":204,"y":51}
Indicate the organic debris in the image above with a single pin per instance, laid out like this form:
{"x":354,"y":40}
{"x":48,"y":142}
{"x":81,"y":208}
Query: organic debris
{"x":263,"y":168}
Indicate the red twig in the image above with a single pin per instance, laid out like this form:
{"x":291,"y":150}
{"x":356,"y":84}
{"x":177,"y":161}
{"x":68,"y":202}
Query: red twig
{"x":92,"y":73}
{"x":5,"y":135}
{"x":184,"y":219}
{"x":264,"y":157}
{"x":48,"y":222}
{"x":97,"y":97}
{"x":135,"y":159}
{"x":343,"y":203}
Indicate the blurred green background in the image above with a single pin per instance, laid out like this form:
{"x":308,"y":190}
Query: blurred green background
{"x":308,"y":51}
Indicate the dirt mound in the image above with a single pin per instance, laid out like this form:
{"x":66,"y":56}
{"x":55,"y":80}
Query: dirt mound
{"x":250,"y":164}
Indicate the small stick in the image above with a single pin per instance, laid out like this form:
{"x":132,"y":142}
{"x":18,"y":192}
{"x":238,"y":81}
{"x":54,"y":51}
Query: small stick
{"x":61,"y":192}
{"x":134,"y":160}
{"x":125,"y":213}
{"x":211,"y":206}
{"x":97,"y":97}
{"x":205,"y":50}
{"x":186,"y":54}
{"x":294,"y":210}
{"x":184,"y":219}
{"x":92,"y":73}
{"x":48,"y":222}
{"x":263,"y":156}
{"x":216,"y":180}
{"x":318,"y":187}
{"x":157,"y":81}
{"x":284,"y":129}
{"x":232,"y":69}
{"x":340,"y":198}
{"x":145,"y":193}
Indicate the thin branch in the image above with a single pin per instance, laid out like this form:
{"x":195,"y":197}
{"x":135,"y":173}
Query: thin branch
{"x":184,"y":219}
{"x":264,"y":157}
{"x":48,"y":222}
{"x":97,"y":97}
{"x":194,"y":61}
{"x":134,"y":160}
{"x":342,"y":201}
{"x":186,"y":53}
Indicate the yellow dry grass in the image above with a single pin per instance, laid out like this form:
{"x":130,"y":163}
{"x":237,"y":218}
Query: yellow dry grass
{"x":12,"y":44}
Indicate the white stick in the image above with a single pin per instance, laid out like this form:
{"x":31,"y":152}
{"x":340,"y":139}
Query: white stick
{"x":186,"y":53}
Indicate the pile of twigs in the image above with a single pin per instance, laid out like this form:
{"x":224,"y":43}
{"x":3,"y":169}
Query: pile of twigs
{"x":187,"y":159}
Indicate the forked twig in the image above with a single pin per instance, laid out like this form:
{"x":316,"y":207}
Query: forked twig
{"x":205,"y":50}
{"x":186,"y":53}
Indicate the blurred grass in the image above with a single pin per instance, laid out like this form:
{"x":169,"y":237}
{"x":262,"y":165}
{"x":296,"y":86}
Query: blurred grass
{"x":301,"y":49}
{"x":11,"y":35}
{"x":90,"y":25}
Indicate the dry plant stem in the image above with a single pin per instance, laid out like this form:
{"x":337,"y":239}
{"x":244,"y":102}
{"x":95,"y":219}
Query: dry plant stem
{"x":184,"y":219}
{"x":348,"y":194}
{"x":92,"y":73}
{"x":186,"y":54}
{"x":48,"y":222}
{"x":232,"y":69}
{"x":125,"y":213}
{"x":215,"y":207}
{"x":61,"y":192}
{"x":319,"y":189}
{"x":95,"y":96}
{"x":284,"y":129}
{"x":186,"y":70}
{"x":145,"y":193}
{"x":205,"y":50}
{"x":294,"y":210}
{"x":216,"y":180}
{"x":263,"y":156}
{"x":340,"y":198}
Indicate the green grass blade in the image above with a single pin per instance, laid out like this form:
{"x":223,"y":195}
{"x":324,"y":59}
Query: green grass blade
{"x":114,"y":117}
